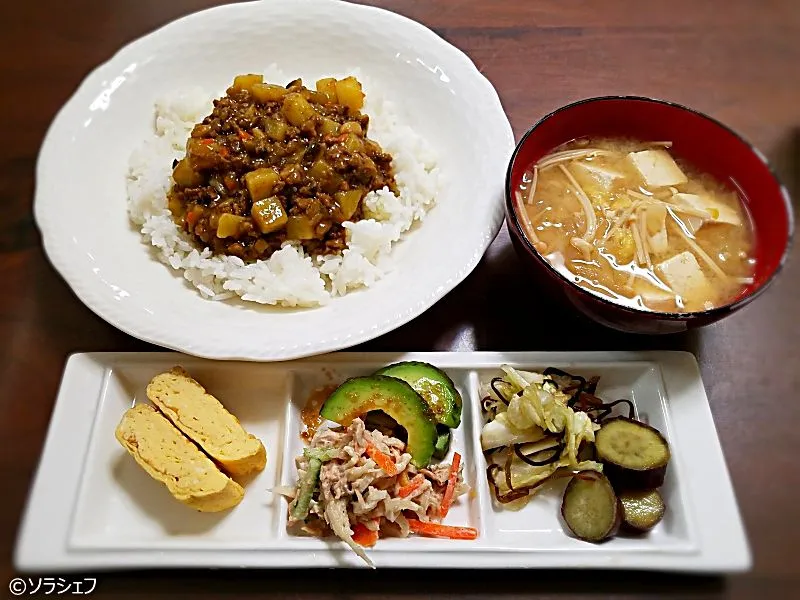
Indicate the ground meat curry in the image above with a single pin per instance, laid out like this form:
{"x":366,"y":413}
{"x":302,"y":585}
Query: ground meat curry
{"x":274,"y":163}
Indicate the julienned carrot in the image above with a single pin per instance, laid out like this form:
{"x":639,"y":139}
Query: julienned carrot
{"x":364,"y":536}
{"x":383,"y":460}
{"x":452,"y":479}
{"x":411,"y":486}
{"x":442,"y":531}
{"x":244,"y":136}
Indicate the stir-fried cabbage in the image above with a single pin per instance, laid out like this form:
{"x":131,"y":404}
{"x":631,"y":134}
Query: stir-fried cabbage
{"x":532,"y":409}
{"x":500,"y":432}
{"x":535,"y":409}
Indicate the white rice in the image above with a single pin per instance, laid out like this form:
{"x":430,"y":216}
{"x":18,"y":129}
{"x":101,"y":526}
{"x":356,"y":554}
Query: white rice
{"x":289,"y":277}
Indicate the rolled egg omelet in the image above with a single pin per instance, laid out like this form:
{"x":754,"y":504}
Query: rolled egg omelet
{"x":167,"y":456}
{"x":204,"y":420}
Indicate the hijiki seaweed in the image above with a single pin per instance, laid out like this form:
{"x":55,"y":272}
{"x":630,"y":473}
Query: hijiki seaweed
{"x":566,"y":396}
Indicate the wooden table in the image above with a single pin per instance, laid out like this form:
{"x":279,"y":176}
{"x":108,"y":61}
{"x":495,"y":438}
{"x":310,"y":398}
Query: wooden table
{"x":736,"y":60}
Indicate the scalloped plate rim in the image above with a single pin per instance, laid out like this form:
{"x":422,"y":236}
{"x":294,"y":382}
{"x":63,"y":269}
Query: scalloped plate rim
{"x":170,"y":340}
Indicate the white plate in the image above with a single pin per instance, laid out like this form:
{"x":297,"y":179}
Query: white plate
{"x":91,"y":507}
{"x":80,"y":203}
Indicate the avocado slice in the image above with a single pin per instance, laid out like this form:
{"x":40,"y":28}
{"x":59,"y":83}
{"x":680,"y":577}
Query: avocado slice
{"x":433,"y":385}
{"x":442,"y":445}
{"x":359,"y":395}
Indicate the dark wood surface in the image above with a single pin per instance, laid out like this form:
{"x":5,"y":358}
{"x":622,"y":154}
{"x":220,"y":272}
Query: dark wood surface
{"x":736,"y":60}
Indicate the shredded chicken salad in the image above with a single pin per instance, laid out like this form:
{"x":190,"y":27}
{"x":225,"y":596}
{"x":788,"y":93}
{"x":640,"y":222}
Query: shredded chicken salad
{"x":361,"y":485}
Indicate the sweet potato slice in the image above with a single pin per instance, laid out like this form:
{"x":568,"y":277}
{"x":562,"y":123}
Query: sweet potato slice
{"x":634,"y":455}
{"x":641,"y":510}
{"x":590,"y":507}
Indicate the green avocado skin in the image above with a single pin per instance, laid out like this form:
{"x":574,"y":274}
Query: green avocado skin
{"x":360,"y":395}
{"x":435,"y":387}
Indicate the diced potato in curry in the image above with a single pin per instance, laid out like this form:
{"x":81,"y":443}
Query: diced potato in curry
{"x":269,"y":214}
{"x":300,"y":228}
{"x":276,"y":129}
{"x":327,"y":87}
{"x":297,"y":110}
{"x":273,"y":163}
{"x":346,"y":204}
{"x":353,"y":143}
{"x":348,"y":92}
{"x":184,"y":175}
{"x":353,"y":127}
{"x":329,"y":127}
{"x":246,"y":82}
{"x":261,"y":182}
{"x":229,"y":225}
{"x":325,"y":175}
{"x":204,"y":153}
{"x":267,"y":92}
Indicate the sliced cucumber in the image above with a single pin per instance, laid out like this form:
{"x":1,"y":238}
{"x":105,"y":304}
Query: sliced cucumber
{"x":433,"y":385}
{"x":442,"y":446}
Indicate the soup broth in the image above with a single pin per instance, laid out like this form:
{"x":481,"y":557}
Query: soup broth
{"x":628,"y":221}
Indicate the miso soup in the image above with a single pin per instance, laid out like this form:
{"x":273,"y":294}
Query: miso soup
{"x":629,"y":221}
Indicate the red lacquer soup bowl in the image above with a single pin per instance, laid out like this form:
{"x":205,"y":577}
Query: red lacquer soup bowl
{"x":699,"y":140}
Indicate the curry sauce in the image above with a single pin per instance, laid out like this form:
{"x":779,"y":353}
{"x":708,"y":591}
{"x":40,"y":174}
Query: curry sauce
{"x":272,"y":164}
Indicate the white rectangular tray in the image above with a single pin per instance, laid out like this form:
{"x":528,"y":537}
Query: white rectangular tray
{"x":92,"y":507}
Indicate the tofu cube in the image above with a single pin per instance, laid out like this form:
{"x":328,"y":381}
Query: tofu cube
{"x":595,"y":180}
{"x":656,"y":220}
{"x":653,"y":297}
{"x":659,"y":242}
{"x":694,"y":223}
{"x":683,"y":274}
{"x":604,"y":176}
{"x":717,"y":212}
{"x":657,"y":168}
{"x":692,"y":201}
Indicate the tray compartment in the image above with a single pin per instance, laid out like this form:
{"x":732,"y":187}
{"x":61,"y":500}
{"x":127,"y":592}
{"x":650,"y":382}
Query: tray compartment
{"x":120,"y":506}
{"x":310,"y":376}
{"x":538,"y":526}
